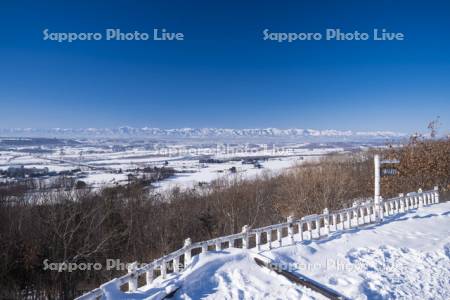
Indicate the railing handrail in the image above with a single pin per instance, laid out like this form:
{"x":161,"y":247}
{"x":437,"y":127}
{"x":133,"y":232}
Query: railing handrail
{"x":432,"y":196}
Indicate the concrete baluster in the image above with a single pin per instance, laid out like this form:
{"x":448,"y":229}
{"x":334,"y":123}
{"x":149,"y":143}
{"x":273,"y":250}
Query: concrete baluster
{"x":133,"y":283}
{"x":218,"y":246}
{"x":436,"y":194}
{"x":176,"y":264}
{"x":309,"y":225}
{"x":420,"y":196}
{"x":300,"y":230}
{"x":290,"y":221}
{"x":245,"y":230}
{"x":279,"y":237}
{"x":326,"y":221}
{"x":258,"y":240}
{"x":361,"y":212}
{"x":334,"y":220}
{"x":163,"y":269}
{"x":269,"y":238}
{"x":349,"y":220}
{"x":149,"y":276}
{"x":402,"y":202}
{"x":317,"y":224}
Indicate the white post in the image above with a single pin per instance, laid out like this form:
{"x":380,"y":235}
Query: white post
{"x":349,"y":220}
{"x":355,"y":214}
{"x":133,"y":283}
{"x":269,"y":238}
{"x":290,"y":221}
{"x":402,"y":202}
{"x":334,"y":222}
{"x":436,"y":194}
{"x":204,"y":248}
{"x":317,"y":222}
{"x":326,"y":221}
{"x":376,"y":198}
{"x":149,"y":276}
{"x":245,"y":229}
{"x":420,"y":198}
{"x":361,"y":212}
{"x":279,"y":237}
{"x":187,"y":253}
{"x":176,"y":264}
{"x":300,"y":230}
{"x":258,"y":240}
{"x":309,"y":230}
{"x":163,"y":269}
{"x":218,"y":246}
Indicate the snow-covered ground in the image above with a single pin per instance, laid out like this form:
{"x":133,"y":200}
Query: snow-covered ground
{"x":407,"y":256}
{"x":109,"y":162}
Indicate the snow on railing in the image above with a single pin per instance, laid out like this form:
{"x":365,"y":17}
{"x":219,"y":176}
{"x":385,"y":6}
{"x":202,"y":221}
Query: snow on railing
{"x":306,"y":228}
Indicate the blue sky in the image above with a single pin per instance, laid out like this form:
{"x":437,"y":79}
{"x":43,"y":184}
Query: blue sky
{"x":224,"y":74}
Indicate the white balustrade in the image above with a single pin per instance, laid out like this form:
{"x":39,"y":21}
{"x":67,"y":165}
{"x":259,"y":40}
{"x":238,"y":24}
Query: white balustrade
{"x":358,"y":213}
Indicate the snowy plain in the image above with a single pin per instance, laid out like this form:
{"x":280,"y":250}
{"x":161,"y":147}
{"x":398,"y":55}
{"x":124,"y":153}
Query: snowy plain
{"x":107,"y":163}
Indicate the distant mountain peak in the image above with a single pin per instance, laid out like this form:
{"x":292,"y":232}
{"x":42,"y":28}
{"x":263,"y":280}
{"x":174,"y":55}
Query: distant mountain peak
{"x":151,"y":132}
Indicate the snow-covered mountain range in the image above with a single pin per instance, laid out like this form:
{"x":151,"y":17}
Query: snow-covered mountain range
{"x":127,"y":131}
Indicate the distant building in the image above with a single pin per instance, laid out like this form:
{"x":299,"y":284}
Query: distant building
{"x":16,"y":171}
{"x":210,"y":161}
{"x":22,"y":172}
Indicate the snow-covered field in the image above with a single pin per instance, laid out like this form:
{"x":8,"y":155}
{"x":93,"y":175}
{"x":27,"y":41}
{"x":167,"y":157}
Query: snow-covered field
{"x":405,"y":257}
{"x":109,"y":162}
